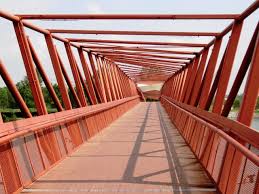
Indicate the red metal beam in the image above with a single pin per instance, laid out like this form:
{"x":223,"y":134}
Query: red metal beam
{"x":137,"y":42}
{"x":99,"y":69}
{"x":147,"y":63}
{"x":30,"y":69}
{"x":144,"y":50}
{"x":68,"y":81}
{"x":73,"y":66}
{"x":147,"y":68}
{"x":173,"y":61}
{"x":96,"y":78}
{"x":227,"y":67}
{"x":251,"y":89}
{"x":125,"y":53}
{"x":88,"y":76}
{"x":240,"y":75}
{"x":126,"y":16}
{"x":58,"y":71}
{"x":14,"y":91}
{"x":108,"y":71}
{"x":149,"y":33}
{"x":44,"y":77}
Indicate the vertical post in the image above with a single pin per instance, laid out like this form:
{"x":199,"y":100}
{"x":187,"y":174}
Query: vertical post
{"x":192,"y":78}
{"x":219,"y":101}
{"x":85,"y":87}
{"x":241,"y":74}
{"x":58,"y":72}
{"x":44,"y":76}
{"x":113,"y":94}
{"x":121,"y":82}
{"x":69,"y":83}
{"x":87,"y":76}
{"x":101,"y":77}
{"x":207,"y":79}
{"x":106,"y":81}
{"x":227,"y":67}
{"x":97,"y":83}
{"x":14,"y":91}
{"x":30,"y":69}
{"x":198,"y":78}
{"x":113,"y":80}
{"x":251,"y":92}
{"x":75,"y":73}
{"x":184,"y":72}
{"x":117,"y":80}
{"x":245,"y":115}
{"x":176,"y":84}
{"x":189,"y":72}
{"x":125,"y":84}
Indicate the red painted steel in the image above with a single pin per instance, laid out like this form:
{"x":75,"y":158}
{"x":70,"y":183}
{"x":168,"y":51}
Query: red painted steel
{"x":125,"y":53}
{"x":209,"y":73}
{"x":105,"y":79}
{"x":44,"y":76}
{"x":137,"y":42}
{"x":127,"y":16}
{"x":150,"y":33}
{"x":68,"y":81}
{"x":30,"y":70}
{"x":96,"y":78}
{"x":227,"y":149}
{"x":74,"y":68}
{"x":87,"y":76}
{"x":198,"y":77}
{"x":227,"y":66}
{"x":110,"y":80}
{"x":14,"y":91}
{"x":65,"y":132}
{"x":58,"y":71}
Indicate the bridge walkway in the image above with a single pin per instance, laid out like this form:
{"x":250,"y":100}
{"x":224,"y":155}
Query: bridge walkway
{"x":141,"y":152}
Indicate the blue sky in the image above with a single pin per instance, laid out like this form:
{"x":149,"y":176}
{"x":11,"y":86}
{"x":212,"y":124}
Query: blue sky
{"x":11,"y":57}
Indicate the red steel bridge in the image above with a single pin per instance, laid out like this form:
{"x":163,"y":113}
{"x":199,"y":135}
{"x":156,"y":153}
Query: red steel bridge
{"x":113,"y":141}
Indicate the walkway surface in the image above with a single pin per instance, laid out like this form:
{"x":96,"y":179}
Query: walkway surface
{"x":141,"y":152}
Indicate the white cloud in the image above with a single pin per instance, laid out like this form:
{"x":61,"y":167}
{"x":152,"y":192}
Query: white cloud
{"x":94,"y":7}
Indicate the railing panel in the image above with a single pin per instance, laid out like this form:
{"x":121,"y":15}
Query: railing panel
{"x":9,"y":171}
{"x":23,"y":161}
{"x":232,"y":166}
{"x":35,"y":145}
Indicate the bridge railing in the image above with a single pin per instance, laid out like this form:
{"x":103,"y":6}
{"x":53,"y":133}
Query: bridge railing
{"x":97,"y":93}
{"x":198,"y":103}
{"x":199,"y":99}
{"x":214,"y":147}
{"x":30,"y":147}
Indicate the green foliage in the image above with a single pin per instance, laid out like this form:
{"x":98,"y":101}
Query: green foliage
{"x":6,"y":99}
{"x":3,"y":97}
{"x":257,"y":104}
{"x":25,"y":91}
{"x":236,"y":104}
{"x":8,"y":107}
{"x":151,"y":100}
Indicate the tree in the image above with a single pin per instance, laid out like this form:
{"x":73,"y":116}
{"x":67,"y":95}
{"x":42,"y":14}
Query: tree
{"x":257,"y":103}
{"x":6,"y":99}
{"x":3,"y":98}
{"x":25,"y":91}
{"x":236,"y":103}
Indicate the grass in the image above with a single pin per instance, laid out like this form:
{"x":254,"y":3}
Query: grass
{"x":17,"y":110}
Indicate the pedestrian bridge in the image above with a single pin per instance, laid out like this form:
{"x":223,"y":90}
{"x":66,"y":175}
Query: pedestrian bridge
{"x":105,"y":138}
{"x":138,"y":153}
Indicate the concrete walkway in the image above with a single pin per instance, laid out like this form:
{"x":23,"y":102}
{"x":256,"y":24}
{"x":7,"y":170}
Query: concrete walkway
{"x":141,"y":152}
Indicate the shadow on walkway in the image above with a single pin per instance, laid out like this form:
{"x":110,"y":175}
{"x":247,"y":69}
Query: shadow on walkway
{"x":142,"y":152}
